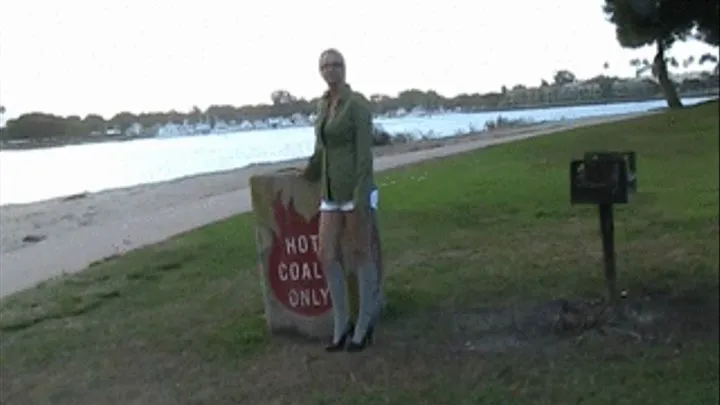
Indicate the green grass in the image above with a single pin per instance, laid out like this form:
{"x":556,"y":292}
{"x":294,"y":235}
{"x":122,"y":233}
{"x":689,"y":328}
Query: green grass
{"x":182,"y":322}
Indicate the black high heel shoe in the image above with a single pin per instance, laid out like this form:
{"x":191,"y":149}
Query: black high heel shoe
{"x":366,"y":341}
{"x":340,"y":344}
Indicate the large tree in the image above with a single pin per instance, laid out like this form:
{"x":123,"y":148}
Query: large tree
{"x":282,"y":97}
{"x":661,"y":23}
{"x":563,"y":77}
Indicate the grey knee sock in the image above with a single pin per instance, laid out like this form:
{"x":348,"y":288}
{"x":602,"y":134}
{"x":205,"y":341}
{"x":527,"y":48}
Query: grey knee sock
{"x":379,"y":297}
{"x":336,"y":284}
{"x":368,"y":285}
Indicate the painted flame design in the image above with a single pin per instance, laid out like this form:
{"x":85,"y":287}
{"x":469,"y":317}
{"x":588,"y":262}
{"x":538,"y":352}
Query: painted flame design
{"x":292,"y":224}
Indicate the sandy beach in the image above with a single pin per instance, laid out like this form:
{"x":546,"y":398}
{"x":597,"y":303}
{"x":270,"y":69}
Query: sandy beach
{"x":48,"y":238}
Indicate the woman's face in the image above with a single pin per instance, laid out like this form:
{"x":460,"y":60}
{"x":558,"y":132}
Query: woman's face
{"x":332,"y":68}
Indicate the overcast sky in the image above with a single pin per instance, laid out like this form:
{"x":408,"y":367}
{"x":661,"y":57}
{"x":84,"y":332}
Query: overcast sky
{"x":82,"y":56}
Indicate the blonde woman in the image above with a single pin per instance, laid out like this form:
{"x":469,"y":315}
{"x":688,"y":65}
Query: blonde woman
{"x":343,"y":163}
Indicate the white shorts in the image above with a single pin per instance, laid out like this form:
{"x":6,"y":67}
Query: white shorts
{"x":349,"y":205}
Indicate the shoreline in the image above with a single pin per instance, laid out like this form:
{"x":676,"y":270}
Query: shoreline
{"x":80,"y":140}
{"x":45,"y":239}
{"x":258,"y":167}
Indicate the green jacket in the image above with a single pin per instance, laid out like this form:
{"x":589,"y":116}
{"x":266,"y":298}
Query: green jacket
{"x":343,"y":158}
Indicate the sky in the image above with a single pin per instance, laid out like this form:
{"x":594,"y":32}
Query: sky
{"x":75,"y":57}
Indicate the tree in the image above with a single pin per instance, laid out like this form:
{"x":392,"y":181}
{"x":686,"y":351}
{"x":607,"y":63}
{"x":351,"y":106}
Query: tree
{"x":381,"y":102}
{"x":708,"y":57}
{"x":3,"y":132}
{"x":412,"y":98}
{"x":94,"y":123}
{"x":433,"y":100}
{"x":641,"y":66}
{"x":123,"y":120}
{"x":605,"y":83}
{"x":563,"y":77}
{"x":661,"y":23}
{"x":282,"y":97}
{"x":36,"y":125}
{"x":284,"y":103}
{"x":196,"y":115}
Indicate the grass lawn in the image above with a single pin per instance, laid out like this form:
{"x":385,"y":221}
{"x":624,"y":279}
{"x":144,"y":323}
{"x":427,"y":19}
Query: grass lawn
{"x":479,"y":250}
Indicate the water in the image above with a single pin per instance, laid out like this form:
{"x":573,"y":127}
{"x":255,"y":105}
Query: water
{"x":34,"y":175}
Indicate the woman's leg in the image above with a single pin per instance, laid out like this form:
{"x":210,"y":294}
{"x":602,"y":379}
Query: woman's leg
{"x":377,"y":255}
{"x":377,"y":248}
{"x":359,"y":227}
{"x":331,"y":224}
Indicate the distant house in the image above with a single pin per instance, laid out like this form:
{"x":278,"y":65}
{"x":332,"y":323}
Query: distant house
{"x":279,"y":122}
{"x":153,"y":130}
{"x":113,"y":132}
{"x":199,"y":128}
{"x":417,"y":111}
{"x":259,"y":124}
{"x":170,"y":130}
{"x":136,"y":129}
{"x":246,"y":125}
{"x":575,"y":91}
{"x":220,"y":126}
{"x":300,"y":119}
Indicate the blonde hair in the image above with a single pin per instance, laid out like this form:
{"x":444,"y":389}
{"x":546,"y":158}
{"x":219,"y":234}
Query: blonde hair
{"x":334,"y":51}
